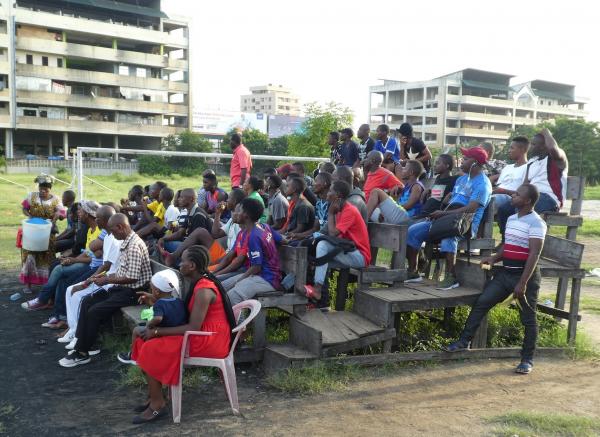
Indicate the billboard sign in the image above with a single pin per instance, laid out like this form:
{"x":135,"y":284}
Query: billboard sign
{"x":218,"y":122}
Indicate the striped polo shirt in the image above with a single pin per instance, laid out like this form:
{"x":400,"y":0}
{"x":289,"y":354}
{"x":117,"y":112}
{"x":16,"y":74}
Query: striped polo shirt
{"x":516,"y":240}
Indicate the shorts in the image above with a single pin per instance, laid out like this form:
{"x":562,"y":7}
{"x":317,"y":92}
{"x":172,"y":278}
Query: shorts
{"x":392,"y":212}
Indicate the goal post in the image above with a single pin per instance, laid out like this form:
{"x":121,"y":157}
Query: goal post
{"x":78,"y":161}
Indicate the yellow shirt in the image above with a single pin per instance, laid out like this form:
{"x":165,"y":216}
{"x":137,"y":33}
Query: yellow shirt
{"x":153,"y":206}
{"x":91,"y":236}
{"x":159,"y":213}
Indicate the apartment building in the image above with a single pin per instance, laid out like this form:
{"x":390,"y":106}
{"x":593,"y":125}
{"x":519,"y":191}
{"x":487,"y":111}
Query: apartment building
{"x":91,"y":73}
{"x":271,"y":100}
{"x":470,"y":105}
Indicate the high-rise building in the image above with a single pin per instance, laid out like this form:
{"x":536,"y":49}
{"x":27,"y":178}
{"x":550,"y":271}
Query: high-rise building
{"x":272,"y":100}
{"x":470,"y":105}
{"x":91,"y":73}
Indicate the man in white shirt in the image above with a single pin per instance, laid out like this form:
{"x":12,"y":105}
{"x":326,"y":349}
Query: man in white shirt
{"x":111,"y":249}
{"x":512,"y":175}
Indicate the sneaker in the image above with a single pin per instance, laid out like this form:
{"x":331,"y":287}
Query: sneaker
{"x":51,"y":323}
{"x":67,"y":338}
{"x":448,"y":283}
{"x":34,"y":305}
{"x":74,"y":358}
{"x":93,"y":352}
{"x":72,"y":344}
{"x":125,"y":358}
{"x":457,"y":346}
{"x":413,"y":277}
{"x":524,"y":367}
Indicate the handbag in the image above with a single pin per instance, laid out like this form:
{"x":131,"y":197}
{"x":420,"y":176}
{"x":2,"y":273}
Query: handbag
{"x":450,"y":225}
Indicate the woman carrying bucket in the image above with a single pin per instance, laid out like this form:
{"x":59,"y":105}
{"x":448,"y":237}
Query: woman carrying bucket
{"x":44,"y":205}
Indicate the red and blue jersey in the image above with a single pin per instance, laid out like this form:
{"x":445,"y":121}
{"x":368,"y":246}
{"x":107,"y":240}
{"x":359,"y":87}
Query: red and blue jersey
{"x":262,"y":251}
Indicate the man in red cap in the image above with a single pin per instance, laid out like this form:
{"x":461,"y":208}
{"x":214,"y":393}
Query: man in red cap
{"x":471,"y":194}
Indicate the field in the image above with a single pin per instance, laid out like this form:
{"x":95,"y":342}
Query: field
{"x":12,"y":195}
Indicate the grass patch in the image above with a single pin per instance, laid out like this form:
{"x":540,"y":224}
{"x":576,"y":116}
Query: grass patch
{"x":539,"y":424}
{"x":320,"y":378}
{"x":132,"y":376}
{"x":591,"y":192}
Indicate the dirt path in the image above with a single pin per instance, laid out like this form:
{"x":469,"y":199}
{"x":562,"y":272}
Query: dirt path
{"x":445,"y":399}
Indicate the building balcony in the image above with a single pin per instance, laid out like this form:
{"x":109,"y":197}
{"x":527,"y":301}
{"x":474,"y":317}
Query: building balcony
{"x":477,"y":133}
{"x":3,"y":40}
{"x":99,"y":53}
{"x":103,"y":103}
{"x":5,"y":121}
{"x":97,"y":27}
{"x":99,"y":78}
{"x":525,"y":121}
{"x":478,"y":116}
{"x":4,"y":67}
{"x":485,"y":101}
{"x":97,"y":127}
{"x":4,"y":95}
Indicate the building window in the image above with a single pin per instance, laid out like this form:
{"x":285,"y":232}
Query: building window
{"x":29,"y":59}
{"x":59,"y":62}
{"x":29,"y":112}
{"x":45,"y":61}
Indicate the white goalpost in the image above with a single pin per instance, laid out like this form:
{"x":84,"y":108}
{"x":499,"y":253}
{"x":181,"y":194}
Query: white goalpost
{"x":78,"y":159}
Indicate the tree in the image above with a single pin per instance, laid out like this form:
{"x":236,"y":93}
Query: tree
{"x":579,"y":139}
{"x":320,"y":120}
{"x":187,"y":141}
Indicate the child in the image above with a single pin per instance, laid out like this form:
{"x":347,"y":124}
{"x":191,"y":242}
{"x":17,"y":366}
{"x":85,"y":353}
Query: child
{"x":165,"y":215}
{"x":410,"y":199}
{"x":443,"y":185}
{"x":134,"y":198}
{"x":168,"y":311}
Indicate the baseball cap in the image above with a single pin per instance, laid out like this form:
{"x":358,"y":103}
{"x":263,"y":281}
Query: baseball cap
{"x":477,"y":153}
{"x":166,"y":281}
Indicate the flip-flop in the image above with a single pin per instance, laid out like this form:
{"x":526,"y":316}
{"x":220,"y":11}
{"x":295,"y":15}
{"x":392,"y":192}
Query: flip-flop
{"x":156,"y":414}
{"x":309,"y":292}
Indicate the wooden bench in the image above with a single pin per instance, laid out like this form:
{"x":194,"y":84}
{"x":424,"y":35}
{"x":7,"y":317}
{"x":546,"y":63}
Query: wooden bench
{"x":573,"y":219}
{"x":381,"y":236}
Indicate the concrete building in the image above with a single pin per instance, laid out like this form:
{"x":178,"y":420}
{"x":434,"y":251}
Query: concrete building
{"x":470,"y":105}
{"x":91,"y":73}
{"x":271,"y":100}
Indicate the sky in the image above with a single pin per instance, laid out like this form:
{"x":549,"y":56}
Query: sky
{"x":330,"y":50}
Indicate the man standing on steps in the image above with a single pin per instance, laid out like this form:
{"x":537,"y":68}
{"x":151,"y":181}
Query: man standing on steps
{"x":241,"y":163}
{"x":519,"y":276}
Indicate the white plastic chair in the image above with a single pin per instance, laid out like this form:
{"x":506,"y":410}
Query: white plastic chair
{"x":225,"y":364}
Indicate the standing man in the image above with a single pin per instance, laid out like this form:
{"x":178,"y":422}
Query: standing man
{"x":519,"y":276}
{"x":133,"y":274}
{"x":366,"y":143}
{"x":547,"y":169}
{"x":348,"y":148}
{"x":241,"y":163}
{"x":387,"y":145}
{"x":333,"y":141}
{"x":413,"y":148}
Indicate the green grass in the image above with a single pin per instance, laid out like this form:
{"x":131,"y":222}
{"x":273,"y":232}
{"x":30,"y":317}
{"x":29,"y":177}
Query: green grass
{"x":523,"y":424}
{"x":592,"y":192}
{"x":11,"y":197}
{"x":7,"y":410}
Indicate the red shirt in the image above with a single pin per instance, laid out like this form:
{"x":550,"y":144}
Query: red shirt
{"x":381,"y":178}
{"x":241,"y":159}
{"x":352,"y":227}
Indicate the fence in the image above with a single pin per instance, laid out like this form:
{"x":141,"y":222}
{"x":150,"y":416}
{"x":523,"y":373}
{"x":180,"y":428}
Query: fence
{"x":91,"y":168}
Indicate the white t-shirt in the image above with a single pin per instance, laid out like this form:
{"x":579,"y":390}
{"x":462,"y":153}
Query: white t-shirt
{"x":232,"y":230}
{"x":111,"y":250}
{"x":512,"y":177}
{"x":171,"y":215}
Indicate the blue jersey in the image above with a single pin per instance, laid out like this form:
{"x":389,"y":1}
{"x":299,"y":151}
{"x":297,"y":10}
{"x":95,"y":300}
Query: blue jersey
{"x":262,"y":251}
{"x":390,"y":146}
{"x":416,"y":208}
{"x":477,"y":189}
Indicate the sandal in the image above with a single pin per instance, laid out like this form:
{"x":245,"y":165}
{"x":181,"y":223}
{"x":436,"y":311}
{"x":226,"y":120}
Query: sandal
{"x":309,"y":291}
{"x":156,"y":414}
{"x":524,"y":367}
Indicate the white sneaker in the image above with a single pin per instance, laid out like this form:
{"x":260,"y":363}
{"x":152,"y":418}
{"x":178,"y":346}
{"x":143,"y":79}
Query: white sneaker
{"x":94,"y":352}
{"x":72,"y":344}
{"x":74,"y":359}
{"x":67,"y":338}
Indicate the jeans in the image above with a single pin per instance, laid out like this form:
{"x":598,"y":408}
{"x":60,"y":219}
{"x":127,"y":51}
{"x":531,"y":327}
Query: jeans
{"x":245,"y":289}
{"x":501,"y":200}
{"x":496,"y":291}
{"x":48,"y":291}
{"x":97,"y":308}
{"x":171,"y":246}
{"x":418,"y":233}
{"x":544,"y":204}
{"x":353,"y":259}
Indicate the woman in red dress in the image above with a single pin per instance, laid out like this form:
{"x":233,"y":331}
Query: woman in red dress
{"x":158,"y":352}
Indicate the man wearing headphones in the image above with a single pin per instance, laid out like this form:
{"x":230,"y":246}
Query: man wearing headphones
{"x":471,"y":194}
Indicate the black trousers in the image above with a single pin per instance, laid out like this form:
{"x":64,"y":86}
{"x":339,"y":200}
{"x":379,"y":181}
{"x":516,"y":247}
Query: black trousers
{"x":497,"y":290}
{"x":97,"y":308}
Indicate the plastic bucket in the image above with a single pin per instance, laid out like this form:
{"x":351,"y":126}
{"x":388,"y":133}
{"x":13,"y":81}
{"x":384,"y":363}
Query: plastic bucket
{"x":36,"y":234}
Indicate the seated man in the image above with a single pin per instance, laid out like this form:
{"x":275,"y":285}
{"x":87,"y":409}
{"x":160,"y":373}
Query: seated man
{"x":201,"y":195}
{"x":357,"y":196}
{"x":412,"y":147}
{"x":149,"y":203}
{"x":512,"y":175}
{"x":69,"y":265}
{"x":196,"y":230}
{"x":519,"y":276}
{"x":442,"y":186}
{"x":379,"y":177}
{"x":213,"y":195}
{"x":235,"y":262}
{"x":383,"y":208}
{"x":471,"y":194}
{"x":547,"y":169}
{"x":264,"y":273}
{"x":301,"y":214}
{"x":299,"y":169}
{"x":344,"y":222}
{"x":65,"y":240}
{"x":493,"y":167}
{"x":135,"y":197}
{"x":165,"y":216}
{"x":132,"y":275}
{"x":278,"y":204}
{"x":321,"y":189}
{"x":231,"y":228}
{"x":386,"y":145}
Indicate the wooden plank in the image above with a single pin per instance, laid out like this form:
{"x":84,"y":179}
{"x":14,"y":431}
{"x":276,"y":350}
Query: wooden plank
{"x":575,"y":187}
{"x":553,"y":269}
{"x":282,"y":300}
{"x":259,"y":325}
{"x":373,"y":309}
{"x":132,"y":314}
{"x":563,"y":220}
{"x":355,"y":323}
{"x":305,"y":336}
{"x":386,"y":236}
{"x":573,"y":311}
{"x":555,"y":312}
{"x":370,"y":276}
{"x":478,"y":243}
{"x":342,"y":289}
{"x":358,"y":342}
{"x":331,"y":332}
{"x":474,"y":354}
{"x":567,"y":253}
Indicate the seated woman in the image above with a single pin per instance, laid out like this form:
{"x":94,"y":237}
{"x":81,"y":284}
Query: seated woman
{"x":157,"y":352}
{"x":383,"y":208}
